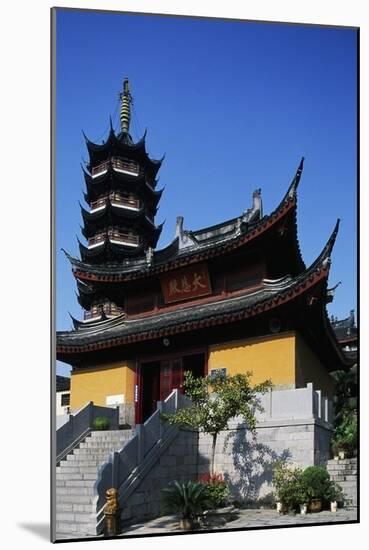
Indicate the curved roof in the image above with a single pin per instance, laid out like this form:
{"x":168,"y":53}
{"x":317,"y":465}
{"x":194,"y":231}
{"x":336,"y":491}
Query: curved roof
{"x":311,"y":285}
{"x":116,"y":216}
{"x":217,"y":242}
{"x":115,"y":181}
{"x":121,"y":145}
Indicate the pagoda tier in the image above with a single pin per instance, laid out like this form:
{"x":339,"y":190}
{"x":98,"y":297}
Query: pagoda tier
{"x":114,"y":244}
{"x":121,"y":146}
{"x":291,"y":303}
{"x":112,"y":180}
{"x":126,"y":214}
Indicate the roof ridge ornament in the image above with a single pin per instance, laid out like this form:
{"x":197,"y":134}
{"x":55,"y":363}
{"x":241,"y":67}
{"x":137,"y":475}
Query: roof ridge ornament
{"x":296,"y":180}
{"x":257,"y":208}
{"x":125,"y":108}
{"x":331,"y":292}
{"x":324,"y":257}
{"x":184,"y":238}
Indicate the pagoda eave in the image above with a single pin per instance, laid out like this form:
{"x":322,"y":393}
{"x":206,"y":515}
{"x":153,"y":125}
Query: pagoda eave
{"x":136,"y":271}
{"x":195,"y":318}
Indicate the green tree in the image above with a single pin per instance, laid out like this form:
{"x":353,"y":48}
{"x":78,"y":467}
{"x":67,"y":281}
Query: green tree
{"x":217,"y":399}
{"x":345,"y":408}
{"x":345,"y":393}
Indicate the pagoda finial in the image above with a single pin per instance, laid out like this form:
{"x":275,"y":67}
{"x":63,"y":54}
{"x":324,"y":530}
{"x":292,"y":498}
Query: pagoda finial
{"x":125,"y":108}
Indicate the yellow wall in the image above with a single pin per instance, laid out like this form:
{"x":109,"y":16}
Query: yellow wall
{"x":96,"y":383}
{"x":310,"y":369}
{"x":270,"y":357}
{"x":283,"y":358}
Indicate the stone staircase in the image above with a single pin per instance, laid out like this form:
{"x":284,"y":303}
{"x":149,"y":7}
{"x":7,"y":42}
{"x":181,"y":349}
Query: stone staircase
{"x":344,"y":472}
{"x":75,"y":479}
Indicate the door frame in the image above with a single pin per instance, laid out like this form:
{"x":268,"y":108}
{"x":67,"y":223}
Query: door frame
{"x":140,"y":362}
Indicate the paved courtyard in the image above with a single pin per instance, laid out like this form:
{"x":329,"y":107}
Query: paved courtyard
{"x":246,"y":519}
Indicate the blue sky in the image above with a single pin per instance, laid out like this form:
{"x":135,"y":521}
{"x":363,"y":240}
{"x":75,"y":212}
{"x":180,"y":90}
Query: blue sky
{"x":233,"y":105}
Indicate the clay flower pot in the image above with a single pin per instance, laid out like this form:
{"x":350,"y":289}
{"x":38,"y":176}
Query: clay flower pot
{"x":186,"y":524}
{"x":281,"y":508}
{"x":315,"y":505}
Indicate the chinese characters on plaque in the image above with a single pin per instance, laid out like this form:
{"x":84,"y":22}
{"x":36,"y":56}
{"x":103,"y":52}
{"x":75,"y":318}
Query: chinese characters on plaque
{"x":185,"y":284}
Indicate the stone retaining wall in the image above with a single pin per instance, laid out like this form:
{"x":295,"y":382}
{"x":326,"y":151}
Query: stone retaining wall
{"x":178,"y":462}
{"x":247,"y":464}
{"x":294,"y":425}
{"x":344,"y":472}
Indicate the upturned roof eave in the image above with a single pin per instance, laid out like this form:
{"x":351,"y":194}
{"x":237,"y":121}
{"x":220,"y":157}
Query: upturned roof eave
{"x":302,"y":283}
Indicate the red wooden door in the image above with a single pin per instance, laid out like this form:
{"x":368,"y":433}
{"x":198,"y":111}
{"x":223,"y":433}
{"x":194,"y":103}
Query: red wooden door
{"x":170,"y":377}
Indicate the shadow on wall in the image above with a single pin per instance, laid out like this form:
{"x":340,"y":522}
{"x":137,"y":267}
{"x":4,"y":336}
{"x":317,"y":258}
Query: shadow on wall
{"x":253,"y":465}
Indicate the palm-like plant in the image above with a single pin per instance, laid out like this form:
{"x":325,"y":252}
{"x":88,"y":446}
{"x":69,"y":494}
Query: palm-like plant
{"x":187,"y":498}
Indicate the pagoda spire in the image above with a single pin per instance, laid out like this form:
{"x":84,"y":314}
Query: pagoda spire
{"x":125,"y":108}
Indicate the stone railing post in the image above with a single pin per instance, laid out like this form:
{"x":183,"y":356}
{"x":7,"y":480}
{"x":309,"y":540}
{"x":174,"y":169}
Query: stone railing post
{"x":71,"y":424}
{"x":176,"y":400}
{"x":310,"y":389}
{"x":115,"y":470}
{"x":141,"y":442}
{"x":90,"y":413}
{"x":319,"y":394}
{"x":160,"y":410}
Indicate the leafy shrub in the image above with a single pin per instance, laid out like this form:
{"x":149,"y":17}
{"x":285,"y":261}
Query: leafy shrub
{"x":334,"y":492}
{"x":188,"y":498}
{"x":295,"y":486}
{"x":290,"y":489}
{"x":101,"y":423}
{"x":345,"y":434}
{"x":317,"y":482}
{"x":216,"y":489}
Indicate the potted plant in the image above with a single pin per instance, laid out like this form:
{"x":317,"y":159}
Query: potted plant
{"x":344,"y":441}
{"x":287,"y":483}
{"x":189,"y":499}
{"x":302,"y":495}
{"x":216,"y":489}
{"x":334,"y":494}
{"x":316,"y":481}
{"x":101,"y":423}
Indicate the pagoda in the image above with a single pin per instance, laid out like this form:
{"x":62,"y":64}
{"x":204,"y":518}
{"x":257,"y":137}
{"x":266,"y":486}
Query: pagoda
{"x":123,"y":201}
{"x":235,"y":296}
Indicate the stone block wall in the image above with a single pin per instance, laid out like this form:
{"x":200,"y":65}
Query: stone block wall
{"x":294,"y":425}
{"x":247,"y":463}
{"x":178,"y":462}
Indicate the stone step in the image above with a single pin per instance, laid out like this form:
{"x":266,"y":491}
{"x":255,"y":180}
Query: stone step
{"x":73,"y":507}
{"x":345,"y":461}
{"x":71,"y":527}
{"x":79,"y":491}
{"x":103,"y":445}
{"x":341,"y":477}
{"x":75,"y":468}
{"x":84,"y":461}
{"x":110,"y":433}
{"x":110,"y":437}
{"x":93,"y":452}
{"x":97,"y":457}
{"x":80,"y":475}
{"x":74,"y":499}
{"x":117,"y":437}
{"x":75,"y":483}
{"x":78,"y":517}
